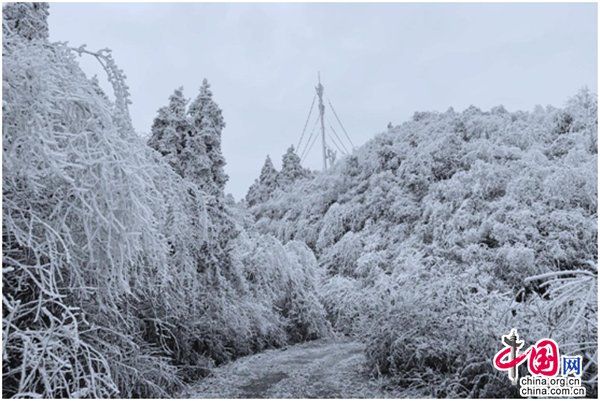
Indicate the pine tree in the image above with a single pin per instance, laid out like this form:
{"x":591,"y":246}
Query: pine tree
{"x":169,"y":130}
{"x":205,"y":139}
{"x":291,"y":169}
{"x":267,"y":183}
{"x":28,"y":20}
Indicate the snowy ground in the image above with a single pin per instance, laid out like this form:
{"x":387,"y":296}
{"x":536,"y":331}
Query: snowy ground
{"x":332,"y":368}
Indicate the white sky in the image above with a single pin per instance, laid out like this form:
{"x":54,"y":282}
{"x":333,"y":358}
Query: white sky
{"x":378,"y":62}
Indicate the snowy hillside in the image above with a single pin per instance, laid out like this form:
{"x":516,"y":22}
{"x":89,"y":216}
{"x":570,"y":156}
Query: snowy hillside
{"x":432,"y":235}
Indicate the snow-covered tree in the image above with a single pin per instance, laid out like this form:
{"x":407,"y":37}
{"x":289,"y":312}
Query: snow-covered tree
{"x":291,"y":169}
{"x":204,"y":138}
{"x":27,"y":20}
{"x":190,"y":139}
{"x":270,"y":180}
{"x":583,"y":109}
{"x":170,"y":129}
{"x":268,"y":174}
{"x":267,"y":183}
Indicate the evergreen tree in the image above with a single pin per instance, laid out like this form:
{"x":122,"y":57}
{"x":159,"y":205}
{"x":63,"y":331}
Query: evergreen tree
{"x":267,"y":183}
{"x":28,"y":20}
{"x":169,"y":130}
{"x":205,"y":139}
{"x":190,"y":139}
{"x":268,"y":174}
{"x":291,"y":169}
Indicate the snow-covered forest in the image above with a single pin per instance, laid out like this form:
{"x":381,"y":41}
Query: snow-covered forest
{"x":127,"y":271}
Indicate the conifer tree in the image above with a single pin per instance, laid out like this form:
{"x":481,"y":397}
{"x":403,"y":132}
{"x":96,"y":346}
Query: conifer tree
{"x":291,"y":169}
{"x":266,"y":184}
{"x":169,"y":130}
{"x":268,"y":174}
{"x":203,"y":160}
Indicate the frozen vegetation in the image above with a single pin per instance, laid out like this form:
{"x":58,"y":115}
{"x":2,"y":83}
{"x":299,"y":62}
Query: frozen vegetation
{"x":444,"y":232}
{"x":128,"y":273}
{"x":123,"y":276}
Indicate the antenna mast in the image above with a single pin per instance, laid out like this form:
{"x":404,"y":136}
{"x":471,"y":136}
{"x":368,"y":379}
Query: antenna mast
{"x":319,"y":89}
{"x":329,"y":154}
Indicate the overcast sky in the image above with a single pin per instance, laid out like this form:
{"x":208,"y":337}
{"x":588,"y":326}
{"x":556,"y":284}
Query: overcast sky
{"x":378,"y":62}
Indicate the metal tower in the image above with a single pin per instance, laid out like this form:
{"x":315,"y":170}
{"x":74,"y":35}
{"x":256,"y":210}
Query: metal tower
{"x":320,"y":89}
{"x":329,"y":155}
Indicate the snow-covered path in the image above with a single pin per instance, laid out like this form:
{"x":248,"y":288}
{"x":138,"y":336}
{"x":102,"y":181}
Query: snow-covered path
{"x":332,"y":368}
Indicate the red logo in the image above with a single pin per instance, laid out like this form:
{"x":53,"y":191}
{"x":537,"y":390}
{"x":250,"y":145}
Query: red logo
{"x":543,"y":357}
